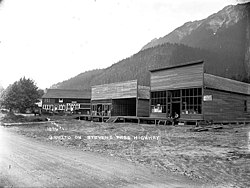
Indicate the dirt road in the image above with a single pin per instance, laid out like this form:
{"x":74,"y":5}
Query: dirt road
{"x":25,"y":162}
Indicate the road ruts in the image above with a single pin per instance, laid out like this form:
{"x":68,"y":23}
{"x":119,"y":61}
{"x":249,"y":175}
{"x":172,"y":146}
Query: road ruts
{"x":25,"y":162}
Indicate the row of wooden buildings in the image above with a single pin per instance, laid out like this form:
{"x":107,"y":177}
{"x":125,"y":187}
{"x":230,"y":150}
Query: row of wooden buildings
{"x":183,"y":89}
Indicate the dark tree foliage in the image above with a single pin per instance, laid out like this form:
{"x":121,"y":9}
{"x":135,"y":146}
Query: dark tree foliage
{"x":79,"y":82}
{"x":21,"y":95}
{"x":138,"y":66}
{"x":40,"y":93}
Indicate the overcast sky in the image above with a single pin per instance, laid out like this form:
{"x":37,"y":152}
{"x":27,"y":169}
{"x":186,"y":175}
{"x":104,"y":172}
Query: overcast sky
{"x":53,"y":40}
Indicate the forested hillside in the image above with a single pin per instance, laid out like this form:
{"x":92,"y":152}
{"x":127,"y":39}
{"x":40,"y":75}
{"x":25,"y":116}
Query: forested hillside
{"x":222,"y":40}
{"x":79,"y":82}
{"x":226,"y":32}
{"x":138,"y":66}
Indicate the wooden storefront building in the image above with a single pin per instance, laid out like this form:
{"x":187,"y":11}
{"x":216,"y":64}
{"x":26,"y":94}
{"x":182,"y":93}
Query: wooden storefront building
{"x":62,"y":100}
{"x":195,"y":95}
{"x":120,"y":99}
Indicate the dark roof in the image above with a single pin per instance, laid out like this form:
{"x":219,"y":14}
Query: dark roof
{"x":64,"y":93}
{"x":177,"y":66}
{"x":226,"y":84}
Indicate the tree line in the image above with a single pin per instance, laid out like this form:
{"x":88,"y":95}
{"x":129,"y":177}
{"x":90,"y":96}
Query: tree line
{"x":138,"y":66}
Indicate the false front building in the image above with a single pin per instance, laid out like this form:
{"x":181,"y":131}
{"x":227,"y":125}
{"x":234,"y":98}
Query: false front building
{"x":195,"y":95}
{"x":59,"y":100}
{"x":120,"y":99}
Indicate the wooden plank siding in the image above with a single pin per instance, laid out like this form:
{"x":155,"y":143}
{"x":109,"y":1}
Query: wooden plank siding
{"x":230,"y":98}
{"x":118,"y":90}
{"x":127,"y":98}
{"x":225,"y":84}
{"x":50,"y":101}
{"x":143,"y":108}
{"x":248,"y":104}
{"x":69,"y":100}
{"x":104,"y":101}
{"x":177,"y":78}
{"x":143,"y":92}
{"x":156,"y":115}
{"x":226,"y":106}
{"x":192,"y":116}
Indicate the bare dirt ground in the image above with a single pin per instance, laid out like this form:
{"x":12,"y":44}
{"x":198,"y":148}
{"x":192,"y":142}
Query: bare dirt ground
{"x":217,"y":158}
{"x":26,"y":162}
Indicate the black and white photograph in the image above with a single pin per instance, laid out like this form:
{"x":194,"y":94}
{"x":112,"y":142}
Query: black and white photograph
{"x":125,"y":93}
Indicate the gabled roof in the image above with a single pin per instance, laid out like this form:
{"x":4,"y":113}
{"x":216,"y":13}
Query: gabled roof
{"x":64,"y":94}
{"x":220,"y":83}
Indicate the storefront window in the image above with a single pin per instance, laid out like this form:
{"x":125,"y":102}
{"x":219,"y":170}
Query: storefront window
{"x":94,"y":110}
{"x":158,"y":102}
{"x":101,"y":109}
{"x":191,"y":101}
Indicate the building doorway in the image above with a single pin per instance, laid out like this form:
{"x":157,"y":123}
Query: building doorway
{"x":176,"y":108}
{"x":174,"y":102}
{"x":99,"y":109}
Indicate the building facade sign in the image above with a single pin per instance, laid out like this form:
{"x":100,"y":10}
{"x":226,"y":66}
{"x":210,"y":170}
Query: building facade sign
{"x":207,"y":98}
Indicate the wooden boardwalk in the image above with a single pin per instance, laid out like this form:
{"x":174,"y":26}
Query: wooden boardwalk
{"x":134,"y":119}
{"x":156,"y":120}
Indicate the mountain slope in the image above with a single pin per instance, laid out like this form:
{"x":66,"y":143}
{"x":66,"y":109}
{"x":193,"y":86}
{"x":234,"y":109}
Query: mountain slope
{"x":226,"y":32}
{"x":79,"y":82}
{"x":196,"y":33}
{"x":138,"y":66}
{"x":222,"y":41}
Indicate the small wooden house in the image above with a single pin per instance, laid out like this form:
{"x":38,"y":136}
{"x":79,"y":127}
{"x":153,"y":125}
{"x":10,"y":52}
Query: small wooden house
{"x":195,"y":95}
{"x":61,"y":100}
{"x":120,"y":99}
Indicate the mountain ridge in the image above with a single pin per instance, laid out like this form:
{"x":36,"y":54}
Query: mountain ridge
{"x":216,"y":20}
{"x":221,"y":40}
{"x":225,"y":32}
